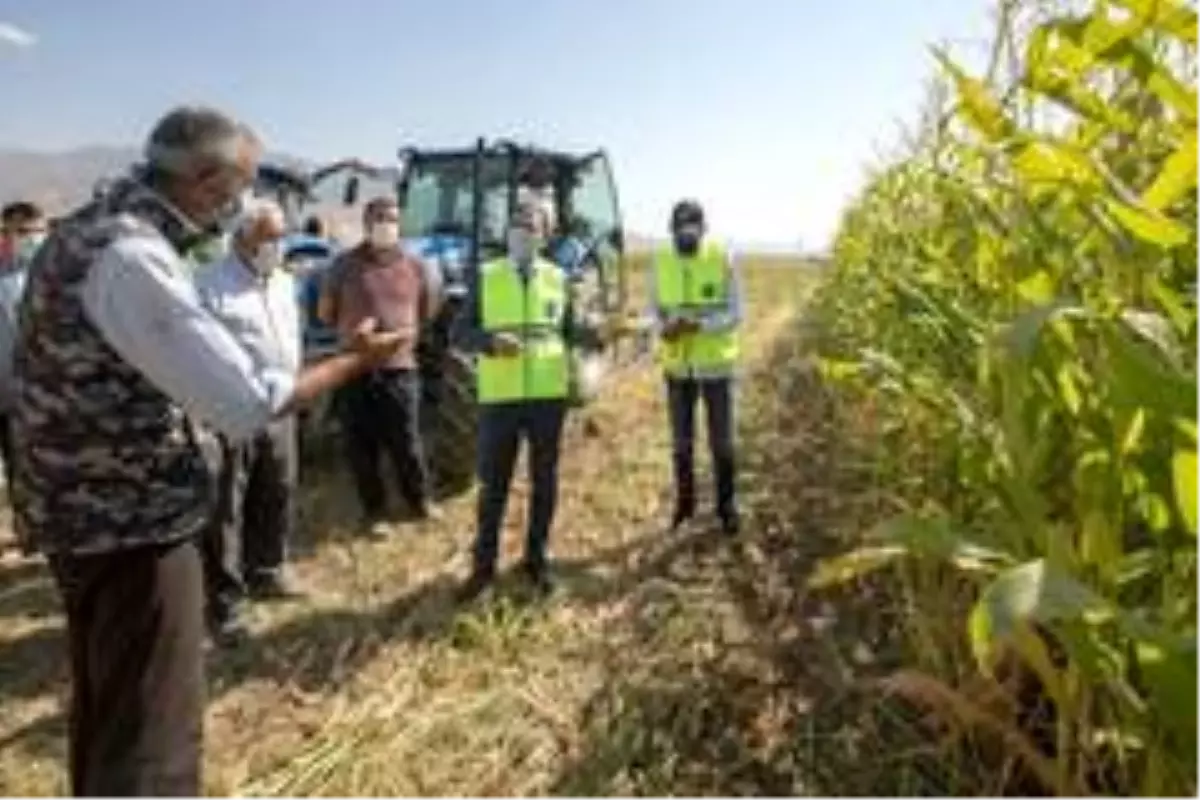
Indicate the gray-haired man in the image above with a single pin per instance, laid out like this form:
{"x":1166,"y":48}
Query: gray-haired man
{"x":255,"y":297}
{"x":116,"y":352}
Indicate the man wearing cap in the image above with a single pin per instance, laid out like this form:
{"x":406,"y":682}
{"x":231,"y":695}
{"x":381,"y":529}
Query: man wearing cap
{"x":695,"y":301}
{"x":522,"y":324}
{"x":251,"y":293}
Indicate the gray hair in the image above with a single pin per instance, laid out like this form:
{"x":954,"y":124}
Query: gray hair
{"x":192,"y":137}
{"x":255,"y":209}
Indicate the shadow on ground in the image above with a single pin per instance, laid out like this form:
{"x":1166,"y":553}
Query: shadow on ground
{"x":319,"y":651}
{"x":754,"y":685}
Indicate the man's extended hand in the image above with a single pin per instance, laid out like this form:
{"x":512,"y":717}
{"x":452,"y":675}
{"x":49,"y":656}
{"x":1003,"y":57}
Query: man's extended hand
{"x":676,"y":327}
{"x":376,"y":346}
{"x":506,"y":345}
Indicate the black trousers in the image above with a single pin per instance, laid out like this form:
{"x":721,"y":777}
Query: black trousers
{"x":381,"y":414}
{"x":255,"y":518}
{"x":6,"y":449}
{"x":683,"y":395}
{"x":135,"y":629}
{"x":501,"y":429}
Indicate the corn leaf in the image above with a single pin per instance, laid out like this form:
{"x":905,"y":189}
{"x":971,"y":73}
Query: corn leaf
{"x":1147,"y":225}
{"x":980,"y":108}
{"x":1183,"y":469}
{"x":1033,"y":593}
{"x":1042,"y":161}
{"x":1169,"y":16}
{"x":1140,"y":376}
{"x":1169,"y":671}
{"x":1177,"y":178}
{"x":850,"y":566}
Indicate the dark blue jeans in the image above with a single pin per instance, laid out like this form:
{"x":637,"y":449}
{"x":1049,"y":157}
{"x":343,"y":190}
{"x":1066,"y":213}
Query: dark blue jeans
{"x":683,"y":395}
{"x":501,"y":429}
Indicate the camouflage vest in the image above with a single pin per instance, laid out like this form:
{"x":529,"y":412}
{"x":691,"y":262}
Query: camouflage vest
{"x":106,"y":461}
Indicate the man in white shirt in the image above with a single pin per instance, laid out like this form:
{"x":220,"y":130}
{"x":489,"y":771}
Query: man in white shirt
{"x":255,"y":298}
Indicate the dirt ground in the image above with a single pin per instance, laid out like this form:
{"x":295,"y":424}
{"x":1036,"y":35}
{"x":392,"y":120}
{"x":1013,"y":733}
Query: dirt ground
{"x":665,"y":662}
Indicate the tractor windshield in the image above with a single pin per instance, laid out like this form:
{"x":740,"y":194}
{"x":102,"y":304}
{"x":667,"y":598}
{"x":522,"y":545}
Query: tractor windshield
{"x":440,"y":198}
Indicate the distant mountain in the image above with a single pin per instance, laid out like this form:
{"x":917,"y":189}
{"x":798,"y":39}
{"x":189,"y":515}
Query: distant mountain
{"x":60,"y":180}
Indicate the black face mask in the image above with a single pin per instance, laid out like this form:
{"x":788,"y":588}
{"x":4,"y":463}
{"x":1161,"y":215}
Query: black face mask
{"x":687,"y":243}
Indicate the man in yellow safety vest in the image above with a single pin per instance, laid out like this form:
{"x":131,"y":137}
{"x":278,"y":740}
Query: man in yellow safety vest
{"x":523,"y":327}
{"x":695,"y":299}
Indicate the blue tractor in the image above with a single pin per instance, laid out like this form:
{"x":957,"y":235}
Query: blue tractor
{"x":456,"y":204}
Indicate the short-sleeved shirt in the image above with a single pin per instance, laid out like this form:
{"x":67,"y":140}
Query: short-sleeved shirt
{"x":389,"y":285}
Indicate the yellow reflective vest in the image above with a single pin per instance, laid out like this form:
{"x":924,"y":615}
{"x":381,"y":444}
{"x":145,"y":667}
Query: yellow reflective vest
{"x":691,"y":287}
{"x":534,"y":311}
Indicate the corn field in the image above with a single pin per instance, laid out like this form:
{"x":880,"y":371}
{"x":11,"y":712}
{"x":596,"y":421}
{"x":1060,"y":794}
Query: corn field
{"x":1012,"y":306}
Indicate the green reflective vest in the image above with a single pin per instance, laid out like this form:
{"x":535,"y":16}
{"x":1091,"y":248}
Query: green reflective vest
{"x":534,"y":311}
{"x":693,"y":286}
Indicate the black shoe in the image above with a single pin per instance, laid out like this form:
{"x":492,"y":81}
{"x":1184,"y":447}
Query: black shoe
{"x":272,"y":586}
{"x":539,"y":579}
{"x":730,"y":523}
{"x":227,"y":629}
{"x":681,"y":516}
{"x":474,"y":586}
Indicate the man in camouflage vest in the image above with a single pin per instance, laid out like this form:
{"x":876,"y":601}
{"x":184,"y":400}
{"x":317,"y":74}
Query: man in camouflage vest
{"x":115,"y":353}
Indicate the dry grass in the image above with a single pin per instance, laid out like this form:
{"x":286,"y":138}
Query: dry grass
{"x":666,"y":663}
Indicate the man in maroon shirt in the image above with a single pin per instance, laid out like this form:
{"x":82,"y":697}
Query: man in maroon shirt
{"x":380,"y":410}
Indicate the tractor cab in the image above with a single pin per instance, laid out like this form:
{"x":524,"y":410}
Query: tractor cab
{"x":457,"y":203}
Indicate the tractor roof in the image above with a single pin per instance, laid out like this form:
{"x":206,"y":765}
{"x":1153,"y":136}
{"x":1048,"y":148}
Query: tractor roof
{"x":524,"y":152}
{"x":283,"y":178}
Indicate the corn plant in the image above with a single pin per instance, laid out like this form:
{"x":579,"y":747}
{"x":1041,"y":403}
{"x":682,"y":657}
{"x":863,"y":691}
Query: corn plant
{"x":1021,"y":286}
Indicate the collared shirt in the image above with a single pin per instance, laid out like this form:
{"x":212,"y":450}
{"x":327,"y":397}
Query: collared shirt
{"x":260,"y":310}
{"x":141,"y":299}
{"x":725,"y":318}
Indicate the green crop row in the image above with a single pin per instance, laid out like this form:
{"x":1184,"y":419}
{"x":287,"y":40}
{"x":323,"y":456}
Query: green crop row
{"x":1014,"y":299}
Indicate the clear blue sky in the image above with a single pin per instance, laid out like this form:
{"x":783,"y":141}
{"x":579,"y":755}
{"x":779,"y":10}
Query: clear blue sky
{"x":768,"y":110}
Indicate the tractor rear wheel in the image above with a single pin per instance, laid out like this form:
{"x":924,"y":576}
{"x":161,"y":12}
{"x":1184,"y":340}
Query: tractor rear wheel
{"x":319,"y":433}
{"x":450,"y":422}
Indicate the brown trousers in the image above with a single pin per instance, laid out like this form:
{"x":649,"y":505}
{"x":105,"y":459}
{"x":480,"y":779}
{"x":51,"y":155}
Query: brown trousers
{"x":136,"y":631}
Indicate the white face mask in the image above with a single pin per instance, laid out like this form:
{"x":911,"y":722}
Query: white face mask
{"x":521,"y":245}
{"x":26,"y":246}
{"x":230,"y":215}
{"x":268,"y":258}
{"x":384,"y":234}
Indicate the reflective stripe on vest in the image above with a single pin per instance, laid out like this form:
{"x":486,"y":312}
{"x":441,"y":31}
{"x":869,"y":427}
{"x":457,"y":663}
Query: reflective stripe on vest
{"x":532,"y":310}
{"x":693,"y":286}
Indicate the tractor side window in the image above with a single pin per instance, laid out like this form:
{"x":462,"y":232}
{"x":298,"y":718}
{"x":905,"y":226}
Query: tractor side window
{"x":593,"y":207}
{"x":591,"y":224}
{"x":422,"y":203}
